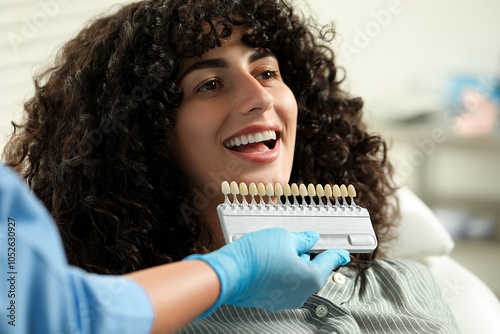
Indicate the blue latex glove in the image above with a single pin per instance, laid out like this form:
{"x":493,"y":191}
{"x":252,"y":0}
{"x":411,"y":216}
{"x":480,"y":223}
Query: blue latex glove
{"x":271,"y":269}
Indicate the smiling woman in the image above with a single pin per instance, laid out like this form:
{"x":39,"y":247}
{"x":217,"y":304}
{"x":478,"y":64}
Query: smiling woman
{"x":146,"y":109}
{"x":234,"y":101}
{"x":127,"y":136}
{"x":232,"y":105}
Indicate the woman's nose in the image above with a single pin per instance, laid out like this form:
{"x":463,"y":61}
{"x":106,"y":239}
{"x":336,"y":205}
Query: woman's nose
{"x":253,"y":97}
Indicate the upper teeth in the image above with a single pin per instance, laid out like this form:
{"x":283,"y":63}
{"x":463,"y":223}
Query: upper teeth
{"x":251,"y":138}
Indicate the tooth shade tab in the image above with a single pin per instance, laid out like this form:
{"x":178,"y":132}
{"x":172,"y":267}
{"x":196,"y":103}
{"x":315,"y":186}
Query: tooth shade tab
{"x":226,"y":189}
{"x":302,"y":190}
{"x":311,"y":191}
{"x":343,"y":191}
{"x":336,"y":191}
{"x":261,"y":189}
{"x":287,"y":191}
{"x":234,"y":188}
{"x":252,"y":189}
{"x":352,"y":194}
{"x":243,"y":189}
{"x":278,"y":189}
{"x":328,"y":191}
{"x":319,"y":190}
{"x":351,"y":191}
{"x":269,"y":190}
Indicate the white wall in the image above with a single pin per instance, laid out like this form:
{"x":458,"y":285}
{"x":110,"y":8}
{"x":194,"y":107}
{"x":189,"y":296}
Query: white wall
{"x":398,"y":53}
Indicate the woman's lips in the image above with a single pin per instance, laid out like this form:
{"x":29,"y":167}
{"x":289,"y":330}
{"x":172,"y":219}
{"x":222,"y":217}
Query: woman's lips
{"x":256,"y":143}
{"x":250,"y":138}
{"x":255,"y":148}
{"x":257,"y":152}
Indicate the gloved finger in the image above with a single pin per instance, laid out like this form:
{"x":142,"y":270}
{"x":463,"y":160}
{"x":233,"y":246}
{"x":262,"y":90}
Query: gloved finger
{"x":304,"y":241}
{"x":305,"y":256}
{"x":330,"y":259}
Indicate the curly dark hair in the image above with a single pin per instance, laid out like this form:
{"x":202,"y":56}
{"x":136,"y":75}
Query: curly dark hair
{"x":95,"y":144}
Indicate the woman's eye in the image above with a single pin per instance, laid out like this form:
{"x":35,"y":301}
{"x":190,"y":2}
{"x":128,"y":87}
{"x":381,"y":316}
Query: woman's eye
{"x":267,"y":75}
{"x":209,"y":85}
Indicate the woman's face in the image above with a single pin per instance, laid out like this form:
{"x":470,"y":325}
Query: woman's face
{"x":237,"y":120}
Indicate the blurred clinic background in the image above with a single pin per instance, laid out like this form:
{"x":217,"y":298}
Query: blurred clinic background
{"x":428,"y":72}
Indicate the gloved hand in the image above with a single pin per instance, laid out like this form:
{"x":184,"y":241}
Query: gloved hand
{"x":270,"y":269}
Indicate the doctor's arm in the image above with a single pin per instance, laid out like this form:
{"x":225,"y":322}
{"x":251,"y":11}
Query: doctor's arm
{"x":48,"y":295}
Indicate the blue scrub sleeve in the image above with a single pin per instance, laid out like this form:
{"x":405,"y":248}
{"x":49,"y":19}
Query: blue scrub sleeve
{"x":40,"y":292}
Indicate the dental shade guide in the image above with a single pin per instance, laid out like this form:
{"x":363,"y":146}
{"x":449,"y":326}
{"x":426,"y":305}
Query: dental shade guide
{"x":340,"y":224}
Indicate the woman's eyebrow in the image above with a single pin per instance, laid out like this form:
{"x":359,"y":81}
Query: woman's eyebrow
{"x":222,"y":63}
{"x":256,"y":55}
{"x":208,"y":63}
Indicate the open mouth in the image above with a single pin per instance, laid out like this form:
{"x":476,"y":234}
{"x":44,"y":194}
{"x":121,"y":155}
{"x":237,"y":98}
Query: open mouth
{"x":260,"y":142}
